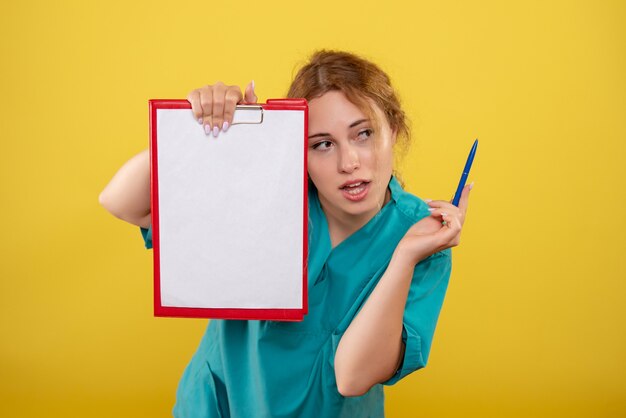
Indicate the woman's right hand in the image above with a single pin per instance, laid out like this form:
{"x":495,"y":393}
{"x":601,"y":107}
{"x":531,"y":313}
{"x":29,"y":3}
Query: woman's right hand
{"x":214,"y":105}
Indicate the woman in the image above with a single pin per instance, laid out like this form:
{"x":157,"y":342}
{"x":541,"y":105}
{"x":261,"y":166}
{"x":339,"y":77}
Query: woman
{"x":378,"y":265}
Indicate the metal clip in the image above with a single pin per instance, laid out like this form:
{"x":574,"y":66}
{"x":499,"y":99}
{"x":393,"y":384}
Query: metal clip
{"x":248,"y":115}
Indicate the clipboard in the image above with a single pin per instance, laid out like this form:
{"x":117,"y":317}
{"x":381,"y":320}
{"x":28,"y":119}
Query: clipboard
{"x":230,"y":214}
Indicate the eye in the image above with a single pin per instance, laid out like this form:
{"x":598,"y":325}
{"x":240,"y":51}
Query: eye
{"x":365,"y":133}
{"x":322,"y":145}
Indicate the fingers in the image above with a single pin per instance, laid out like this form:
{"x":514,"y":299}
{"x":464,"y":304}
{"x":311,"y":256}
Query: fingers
{"x":214,"y":106}
{"x":449,"y":235}
{"x":232,"y":97}
{"x":464,"y":200}
{"x":219,"y":95}
{"x":206,"y":106}
{"x":445,"y":215}
{"x":250,"y":96}
{"x":196,"y":108}
{"x":449,"y":207}
{"x":439,"y":206}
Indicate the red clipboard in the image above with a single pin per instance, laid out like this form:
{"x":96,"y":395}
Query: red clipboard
{"x":229,"y":214}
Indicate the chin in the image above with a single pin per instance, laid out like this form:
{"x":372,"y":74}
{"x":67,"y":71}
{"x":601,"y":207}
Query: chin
{"x":363,"y":208}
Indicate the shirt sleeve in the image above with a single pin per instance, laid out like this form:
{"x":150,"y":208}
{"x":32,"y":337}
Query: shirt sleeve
{"x":147,"y":236}
{"x":424,"y":302}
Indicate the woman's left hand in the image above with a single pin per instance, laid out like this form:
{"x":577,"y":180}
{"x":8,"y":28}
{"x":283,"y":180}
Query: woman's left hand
{"x":440,"y":230}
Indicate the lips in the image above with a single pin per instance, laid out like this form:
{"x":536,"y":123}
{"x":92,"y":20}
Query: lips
{"x":355,"y":190}
{"x":351,"y":184}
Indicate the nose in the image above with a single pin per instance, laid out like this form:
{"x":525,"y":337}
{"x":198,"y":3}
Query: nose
{"x":349,"y":160}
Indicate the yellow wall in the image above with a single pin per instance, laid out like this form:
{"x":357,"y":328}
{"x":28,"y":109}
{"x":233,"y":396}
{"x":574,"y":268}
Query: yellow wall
{"x":533,"y":324}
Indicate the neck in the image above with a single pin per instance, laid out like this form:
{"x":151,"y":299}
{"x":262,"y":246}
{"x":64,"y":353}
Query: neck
{"x":341,"y":225}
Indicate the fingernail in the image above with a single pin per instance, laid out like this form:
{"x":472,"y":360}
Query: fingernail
{"x":216,"y":131}
{"x":428,"y":200}
{"x":471,"y":185}
{"x":444,"y":214}
{"x":225,"y":127}
{"x":431,"y":209}
{"x":200,"y":121}
{"x":207,"y":129}
{"x":253,"y":85}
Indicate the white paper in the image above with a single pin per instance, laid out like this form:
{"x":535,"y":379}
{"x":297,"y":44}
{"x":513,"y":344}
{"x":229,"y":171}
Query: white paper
{"x":231,"y":212}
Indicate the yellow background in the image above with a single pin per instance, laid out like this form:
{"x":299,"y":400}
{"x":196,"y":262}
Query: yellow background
{"x":533,"y":323}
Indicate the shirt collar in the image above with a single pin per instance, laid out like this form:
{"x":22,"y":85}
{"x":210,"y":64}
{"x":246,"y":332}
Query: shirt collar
{"x":396,"y":189}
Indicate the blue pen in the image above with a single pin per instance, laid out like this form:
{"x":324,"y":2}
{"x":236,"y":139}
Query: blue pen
{"x":466,"y":171}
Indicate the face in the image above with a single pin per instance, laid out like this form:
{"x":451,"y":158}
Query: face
{"x":348,"y":161}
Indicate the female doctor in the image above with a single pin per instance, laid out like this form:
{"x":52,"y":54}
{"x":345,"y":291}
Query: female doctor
{"x":378,"y":266}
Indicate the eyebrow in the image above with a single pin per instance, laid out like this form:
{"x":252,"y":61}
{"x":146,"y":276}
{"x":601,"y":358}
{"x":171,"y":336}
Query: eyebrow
{"x":352,"y":125}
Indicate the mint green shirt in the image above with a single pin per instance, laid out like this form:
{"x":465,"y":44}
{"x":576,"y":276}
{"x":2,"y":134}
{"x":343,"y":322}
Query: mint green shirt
{"x":246,"y":369}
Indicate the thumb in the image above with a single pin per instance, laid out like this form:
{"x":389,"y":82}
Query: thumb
{"x":249,"y":95}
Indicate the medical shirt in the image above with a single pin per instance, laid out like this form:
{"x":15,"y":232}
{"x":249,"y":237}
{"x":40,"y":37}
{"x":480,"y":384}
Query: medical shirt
{"x":245,"y":368}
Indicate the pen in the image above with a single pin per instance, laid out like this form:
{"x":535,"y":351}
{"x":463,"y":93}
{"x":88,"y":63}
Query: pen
{"x":466,"y":170}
